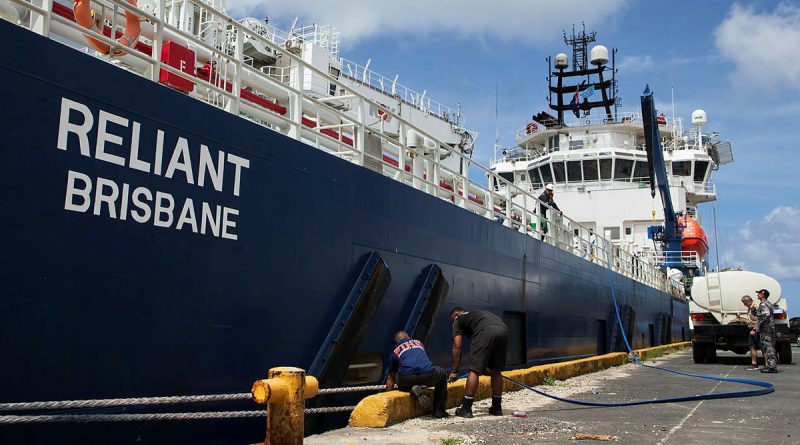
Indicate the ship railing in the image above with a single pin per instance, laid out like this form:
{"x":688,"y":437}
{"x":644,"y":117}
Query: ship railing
{"x":365,"y":76}
{"x":596,"y":119}
{"x":704,"y":188}
{"x":684,"y":258}
{"x":324,"y":36}
{"x":297,"y":114}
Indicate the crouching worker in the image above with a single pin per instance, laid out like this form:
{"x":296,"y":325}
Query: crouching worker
{"x":487,"y":354}
{"x":410,"y":368}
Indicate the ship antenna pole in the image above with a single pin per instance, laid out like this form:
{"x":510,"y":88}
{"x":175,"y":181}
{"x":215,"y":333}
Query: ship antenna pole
{"x":675,"y":131}
{"x":496,"y":137}
{"x":672,"y":90}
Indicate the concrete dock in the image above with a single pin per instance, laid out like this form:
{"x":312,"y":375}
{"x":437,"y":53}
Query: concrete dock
{"x":772,"y":418}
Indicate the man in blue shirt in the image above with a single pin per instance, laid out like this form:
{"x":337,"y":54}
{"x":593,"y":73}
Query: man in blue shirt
{"x":410,"y":368}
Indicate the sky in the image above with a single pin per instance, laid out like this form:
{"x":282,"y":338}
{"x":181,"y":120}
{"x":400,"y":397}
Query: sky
{"x":739,"y":61}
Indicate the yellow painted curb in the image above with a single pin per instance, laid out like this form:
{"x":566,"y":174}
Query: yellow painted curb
{"x":388,"y":408}
{"x":658,"y":351}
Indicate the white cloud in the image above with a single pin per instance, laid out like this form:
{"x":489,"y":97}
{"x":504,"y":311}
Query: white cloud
{"x":506,"y":20}
{"x":770,"y":245}
{"x":630,"y":64}
{"x":763,"y":46}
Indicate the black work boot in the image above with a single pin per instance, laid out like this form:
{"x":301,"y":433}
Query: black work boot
{"x":465,"y":410}
{"x":422,"y":399}
{"x":439,"y":413}
{"x":496,"y":409}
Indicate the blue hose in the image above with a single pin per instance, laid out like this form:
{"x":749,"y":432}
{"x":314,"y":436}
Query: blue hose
{"x":763,"y":387}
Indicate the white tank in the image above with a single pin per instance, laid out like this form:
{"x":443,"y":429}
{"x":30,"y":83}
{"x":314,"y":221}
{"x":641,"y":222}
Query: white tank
{"x":734,"y":284}
{"x":599,"y":55}
{"x":561,"y":60}
{"x":699,"y":117}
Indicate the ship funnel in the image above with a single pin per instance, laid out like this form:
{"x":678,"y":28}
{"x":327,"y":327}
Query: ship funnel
{"x":599,"y":55}
{"x":699,"y":118}
{"x":561,"y":61}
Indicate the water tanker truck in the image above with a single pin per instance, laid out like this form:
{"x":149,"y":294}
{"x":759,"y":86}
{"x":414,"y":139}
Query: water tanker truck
{"x":718,"y":316}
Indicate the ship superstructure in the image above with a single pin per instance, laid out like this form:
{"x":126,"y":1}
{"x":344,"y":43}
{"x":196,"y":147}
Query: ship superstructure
{"x":295,"y":82}
{"x":597,"y":163}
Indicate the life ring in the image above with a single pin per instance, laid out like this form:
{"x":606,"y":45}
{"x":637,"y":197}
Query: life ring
{"x":382,"y":114}
{"x":85,"y":17}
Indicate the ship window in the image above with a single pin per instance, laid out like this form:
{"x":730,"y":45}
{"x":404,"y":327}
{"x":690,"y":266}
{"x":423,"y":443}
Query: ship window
{"x":334,"y":72}
{"x":681,"y":168}
{"x":612,"y":233}
{"x":576,"y":145}
{"x":521,"y":177}
{"x":536,"y":178}
{"x":605,"y":169}
{"x":700,"y":168}
{"x":590,"y":170}
{"x":547,"y":175}
{"x":553,"y":142}
{"x":574,"y":171}
{"x":558,"y":171}
{"x":640,"y":172}
{"x":508,"y":176}
{"x":627,"y":230}
{"x":623,"y":169}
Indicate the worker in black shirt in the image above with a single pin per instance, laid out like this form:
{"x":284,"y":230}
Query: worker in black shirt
{"x":487,"y":354}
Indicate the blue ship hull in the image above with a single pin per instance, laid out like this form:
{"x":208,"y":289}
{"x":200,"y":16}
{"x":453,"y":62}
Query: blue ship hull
{"x":99,"y":302}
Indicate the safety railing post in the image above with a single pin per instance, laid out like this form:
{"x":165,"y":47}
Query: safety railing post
{"x":285,"y":392}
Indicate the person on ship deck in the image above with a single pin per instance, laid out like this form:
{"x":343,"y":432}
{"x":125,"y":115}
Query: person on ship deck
{"x":547,"y":198}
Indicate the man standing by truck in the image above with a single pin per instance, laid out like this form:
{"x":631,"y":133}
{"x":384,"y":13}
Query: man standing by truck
{"x":753,"y":338}
{"x":766,"y":330}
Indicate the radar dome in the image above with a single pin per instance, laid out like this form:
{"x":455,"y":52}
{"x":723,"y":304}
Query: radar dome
{"x":699,"y":117}
{"x":561,"y":60}
{"x":599,"y":55}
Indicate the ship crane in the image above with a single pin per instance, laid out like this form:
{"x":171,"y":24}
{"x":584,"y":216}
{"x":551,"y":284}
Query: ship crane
{"x":670,"y":235}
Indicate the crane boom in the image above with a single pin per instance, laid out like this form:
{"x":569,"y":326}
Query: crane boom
{"x":670,"y":234}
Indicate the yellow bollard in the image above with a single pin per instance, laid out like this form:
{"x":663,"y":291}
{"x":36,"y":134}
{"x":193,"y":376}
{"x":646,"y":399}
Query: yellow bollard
{"x":285,"y":392}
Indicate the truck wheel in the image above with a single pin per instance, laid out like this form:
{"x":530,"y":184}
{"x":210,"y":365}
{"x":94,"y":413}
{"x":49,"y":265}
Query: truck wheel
{"x":711,"y":354}
{"x":698,"y":353}
{"x":784,"y":352}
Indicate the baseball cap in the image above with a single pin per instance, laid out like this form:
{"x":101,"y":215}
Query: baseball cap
{"x":548,"y":187}
{"x":766,"y":292}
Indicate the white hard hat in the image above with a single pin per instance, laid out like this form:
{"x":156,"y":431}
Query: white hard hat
{"x":548,"y":187}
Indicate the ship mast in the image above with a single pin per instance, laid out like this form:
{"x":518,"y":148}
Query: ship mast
{"x":581,"y":58}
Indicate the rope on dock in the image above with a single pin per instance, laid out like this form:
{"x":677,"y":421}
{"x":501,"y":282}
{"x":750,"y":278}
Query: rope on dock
{"x":83,"y":418}
{"x":351,"y":389}
{"x":330,"y":409}
{"x":137,"y":401}
{"x":104,"y":403}
{"x":86,"y":418}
